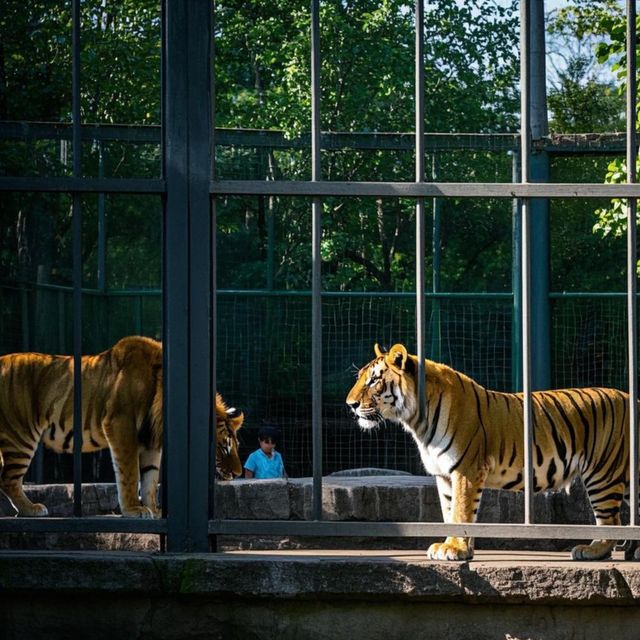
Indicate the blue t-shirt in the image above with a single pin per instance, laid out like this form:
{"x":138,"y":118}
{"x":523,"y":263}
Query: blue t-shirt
{"x":264,"y":467}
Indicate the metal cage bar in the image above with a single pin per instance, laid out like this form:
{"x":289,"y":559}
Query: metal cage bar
{"x":422,"y":529}
{"x":187,"y":301}
{"x":525,"y":150}
{"x":420,"y":207}
{"x":77,"y":263}
{"x":331,"y":188}
{"x":316,"y":267}
{"x":186,"y":185}
{"x":213,"y":321}
{"x":175,"y":275}
{"x":632,"y":261}
{"x":423,"y":189}
{"x":201,"y":292}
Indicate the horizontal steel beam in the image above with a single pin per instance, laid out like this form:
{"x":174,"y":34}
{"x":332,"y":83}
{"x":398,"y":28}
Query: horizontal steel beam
{"x":279,"y":293}
{"x":118,"y":524}
{"x":557,"y":144}
{"x":425,"y":189}
{"x":31,"y":131}
{"x":260,"y":138}
{"x":99,"y":524}
{"x":421,"y":529}
{"x":65,"y":184}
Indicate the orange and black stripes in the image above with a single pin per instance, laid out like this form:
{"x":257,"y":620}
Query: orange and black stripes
{"x":473,"y":438}
{"x":121,"y":410}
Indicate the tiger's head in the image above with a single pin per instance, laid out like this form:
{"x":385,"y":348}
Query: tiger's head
{"x":228,"y":422}
{"x":385,"y":388}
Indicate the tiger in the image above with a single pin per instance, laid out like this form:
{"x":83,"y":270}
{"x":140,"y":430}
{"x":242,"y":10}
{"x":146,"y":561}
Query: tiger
{"x":121,"y":410}
{"x":228,"y":422}
{"x":470,"y":438}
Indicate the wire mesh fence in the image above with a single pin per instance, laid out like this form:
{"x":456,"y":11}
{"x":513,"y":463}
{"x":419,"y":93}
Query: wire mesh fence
{"x":264,"y":356}
{"x":590,"y":341}
{"x":264,"y":336}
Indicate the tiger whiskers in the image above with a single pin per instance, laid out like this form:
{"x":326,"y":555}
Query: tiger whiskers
{"x":370,"y":419}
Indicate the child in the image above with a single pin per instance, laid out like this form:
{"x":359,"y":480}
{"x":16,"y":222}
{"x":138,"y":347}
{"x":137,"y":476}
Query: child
{"x":265,"y":462}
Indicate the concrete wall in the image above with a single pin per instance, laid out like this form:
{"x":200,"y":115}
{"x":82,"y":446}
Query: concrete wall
{"x":313,"y":596}
{"x":306,"y":593}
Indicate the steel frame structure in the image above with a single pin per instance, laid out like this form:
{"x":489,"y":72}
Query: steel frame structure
{"x":189,"y":189}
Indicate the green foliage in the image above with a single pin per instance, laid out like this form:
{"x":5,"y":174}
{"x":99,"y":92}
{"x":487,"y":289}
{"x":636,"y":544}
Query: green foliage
{"x":580,"y":260}
{"x":120,"y":61}
{"x":605,"y":19}
{"x":262,"y":71}
{"x":588,"y":18}
{"x":367,"y":80}
{"x":120,"y":82}
{"x":580,"y":103}
{"x":263,"y":66}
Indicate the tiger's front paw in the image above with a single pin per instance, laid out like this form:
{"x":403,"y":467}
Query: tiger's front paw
{"x":450,"y":550}
{"x":35,"y":510}
{"x":137,"y":512}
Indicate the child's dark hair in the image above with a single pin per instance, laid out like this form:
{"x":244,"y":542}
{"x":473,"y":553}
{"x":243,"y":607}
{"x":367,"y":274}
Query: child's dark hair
{"x":267,"y":431}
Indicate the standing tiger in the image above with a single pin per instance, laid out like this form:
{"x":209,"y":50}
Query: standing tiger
{"x":472,"y":438}
{"x":121,"y":409}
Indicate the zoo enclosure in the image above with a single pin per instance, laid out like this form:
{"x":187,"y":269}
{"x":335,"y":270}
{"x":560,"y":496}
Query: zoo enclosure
{"x":473,"y":331}
{"x":186,"y":189}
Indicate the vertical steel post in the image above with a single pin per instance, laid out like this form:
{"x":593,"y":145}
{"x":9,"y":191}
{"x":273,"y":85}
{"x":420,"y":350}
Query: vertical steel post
{"x":420,"y":208}
{"x":102,"y":226}
{"x":175,"y":277}
{"x":202,"y":361}
{"x":539,"y":207}
{"x":516,"y":280}
{"x":525,"y":150}
{"x":316,"y":272}
{"x":77,"y":264}
{"x":201,"y":305}
{"x":436,"y":245}
{"x":632,"y":261}
{"x":213,"y":321}
{"x":102,"y":303}
{"x":187,"y":300}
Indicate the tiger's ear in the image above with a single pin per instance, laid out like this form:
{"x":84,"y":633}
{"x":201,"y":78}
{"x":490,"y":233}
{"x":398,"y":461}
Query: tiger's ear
{"x":397,"y":356}
{"x":378,"y":351}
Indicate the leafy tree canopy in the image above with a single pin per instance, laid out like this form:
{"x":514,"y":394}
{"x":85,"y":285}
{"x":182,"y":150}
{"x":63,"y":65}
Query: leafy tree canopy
{"x":606,"y":22}
{"x":367,"y":80}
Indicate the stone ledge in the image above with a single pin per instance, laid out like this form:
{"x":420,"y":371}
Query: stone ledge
{"x":491,"y":578}
{"x":315,"y":596}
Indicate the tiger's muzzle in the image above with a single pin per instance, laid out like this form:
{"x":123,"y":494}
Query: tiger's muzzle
{"x":367,"y":417}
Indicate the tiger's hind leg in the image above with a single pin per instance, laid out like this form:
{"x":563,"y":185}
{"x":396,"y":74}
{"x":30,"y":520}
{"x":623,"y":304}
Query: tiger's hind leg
{"x":606,"y":502}
{"x":149,"y":472}
{"x":459,"y":500}
{"x":13,"y":467}
{"x":121,"y":435}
